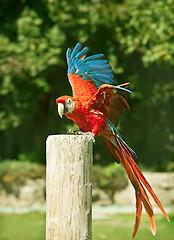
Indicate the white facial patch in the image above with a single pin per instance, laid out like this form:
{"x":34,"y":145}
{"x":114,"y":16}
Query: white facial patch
{"x":69,"y":105}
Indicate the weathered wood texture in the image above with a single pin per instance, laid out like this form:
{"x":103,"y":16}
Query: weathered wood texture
{"x":69,"y":187}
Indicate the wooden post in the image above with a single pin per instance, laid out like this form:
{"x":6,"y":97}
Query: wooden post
{"x":69,"y":187}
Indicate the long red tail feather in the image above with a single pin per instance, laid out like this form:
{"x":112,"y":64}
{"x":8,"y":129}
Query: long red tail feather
{"x":144,"y":198}
{"x":142,"y":178}
{"x":138,"y":212}
{"x":139,"y":182}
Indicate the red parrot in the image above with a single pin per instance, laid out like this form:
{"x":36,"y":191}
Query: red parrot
{"x":95,"y":107}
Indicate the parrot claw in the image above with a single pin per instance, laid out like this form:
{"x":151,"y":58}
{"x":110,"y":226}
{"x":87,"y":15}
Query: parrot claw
{"x":78,"y":132}
{"x":90,"y":135}
{"x":70,"y":131}
{"x":84,"y":133}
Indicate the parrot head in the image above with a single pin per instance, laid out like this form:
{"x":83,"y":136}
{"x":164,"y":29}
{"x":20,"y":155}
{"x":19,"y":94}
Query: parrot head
{"x":65,"y":105}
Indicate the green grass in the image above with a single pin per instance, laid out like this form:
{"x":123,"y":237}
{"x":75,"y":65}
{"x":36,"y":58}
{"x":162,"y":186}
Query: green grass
{"x":31,"y":226}
{"x":120,"y":227}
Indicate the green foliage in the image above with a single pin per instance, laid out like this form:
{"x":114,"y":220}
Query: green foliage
{"x":111,"y":178}
{"x":25,"y":64}
{"x":18,"y":171}
{"x":31,"y":45}
{"x":148,"y":27}
{"x":136,"y":37}
{"x":170,"y":166}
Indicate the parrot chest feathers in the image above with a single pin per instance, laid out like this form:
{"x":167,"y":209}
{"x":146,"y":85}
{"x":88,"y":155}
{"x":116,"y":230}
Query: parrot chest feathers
{"x":88,"y":120}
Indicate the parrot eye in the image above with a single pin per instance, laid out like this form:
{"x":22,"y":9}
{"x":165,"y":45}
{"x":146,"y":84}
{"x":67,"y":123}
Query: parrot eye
{"x":69,"y":104}
{"x":68,"y":101}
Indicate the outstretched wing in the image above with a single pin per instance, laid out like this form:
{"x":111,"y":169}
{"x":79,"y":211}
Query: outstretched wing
{"x":92,"y":70}
{"x":110,"y":100}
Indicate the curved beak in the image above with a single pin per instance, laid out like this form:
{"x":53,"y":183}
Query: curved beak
{"x":60,"y":109}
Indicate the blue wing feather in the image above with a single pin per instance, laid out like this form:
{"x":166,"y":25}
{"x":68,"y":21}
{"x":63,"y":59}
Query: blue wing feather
{"x":81,"y":53}
{"x":76,"y":49}
{"x":92,"y":67}
{"x":96,"y":56}
{"x":121,"y":89}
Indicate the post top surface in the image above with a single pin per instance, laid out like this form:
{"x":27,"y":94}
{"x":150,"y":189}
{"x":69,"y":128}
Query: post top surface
{"x":85,"y":136}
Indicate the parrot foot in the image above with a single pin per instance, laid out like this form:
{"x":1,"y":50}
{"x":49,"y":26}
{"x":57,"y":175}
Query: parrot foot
{"x":80,"y":132}
{"x":70,"y":131}
{"x":89,"y":134}
{"x":77,"y":132}
{"x":83,"y":133}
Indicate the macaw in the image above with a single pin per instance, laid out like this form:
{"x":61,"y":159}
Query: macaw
{"x":95,"y":107}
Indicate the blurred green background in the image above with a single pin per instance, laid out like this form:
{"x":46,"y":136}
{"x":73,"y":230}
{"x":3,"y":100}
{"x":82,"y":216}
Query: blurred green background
{"x":136,"y":37}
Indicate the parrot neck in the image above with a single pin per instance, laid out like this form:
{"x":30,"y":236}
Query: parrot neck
{"x":78,"y":110}
{"x":78,"y":115}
